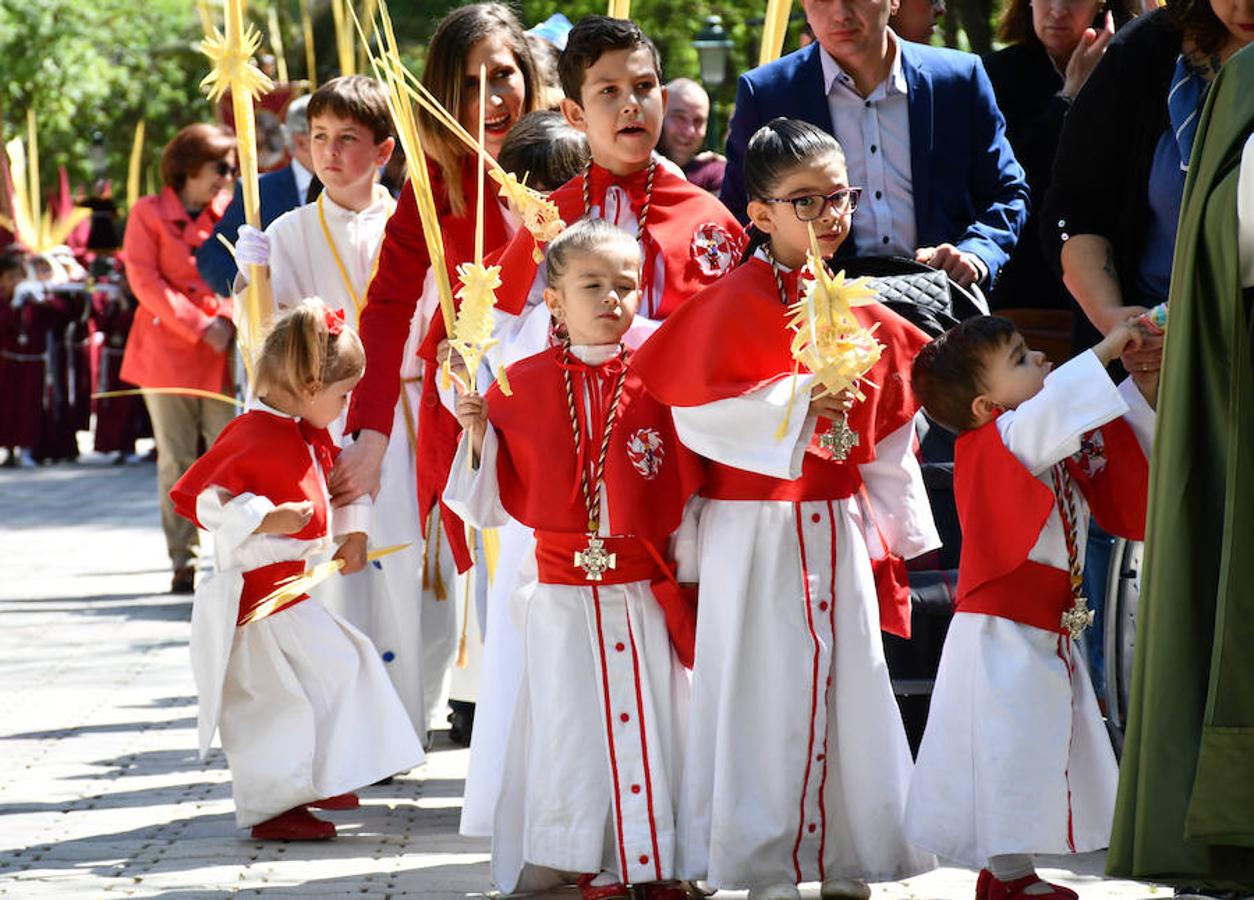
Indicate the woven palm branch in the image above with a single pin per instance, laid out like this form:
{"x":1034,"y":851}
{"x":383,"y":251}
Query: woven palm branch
{"x":472,"y":329}
{"x":539,"y":215}
{"x":828,"y":339}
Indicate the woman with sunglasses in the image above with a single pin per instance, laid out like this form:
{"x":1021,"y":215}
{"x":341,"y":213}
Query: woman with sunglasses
{"x":182,"y":331}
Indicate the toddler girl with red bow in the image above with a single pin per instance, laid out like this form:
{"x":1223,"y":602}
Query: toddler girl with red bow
{"x":304,"y":707}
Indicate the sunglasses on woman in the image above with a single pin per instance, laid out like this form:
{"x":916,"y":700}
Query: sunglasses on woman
{"x":224,"y":168}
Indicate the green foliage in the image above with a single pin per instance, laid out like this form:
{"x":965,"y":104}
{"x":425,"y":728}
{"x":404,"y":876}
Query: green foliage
{"x":98,"y":66}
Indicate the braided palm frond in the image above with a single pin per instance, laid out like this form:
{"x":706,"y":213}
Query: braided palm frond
{"x":539,"y":214}
{"x":472,"y":328}
{"x":828,"y":338}
{"x":232,"y":65}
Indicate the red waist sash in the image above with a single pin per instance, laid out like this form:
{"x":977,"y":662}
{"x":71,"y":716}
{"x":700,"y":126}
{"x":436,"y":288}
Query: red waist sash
{"x":555,"y":559}
{"x":1034,"y":594}
{"x":820,"y":480}
{"x":260,"y":583}
{"x":635,"y":560}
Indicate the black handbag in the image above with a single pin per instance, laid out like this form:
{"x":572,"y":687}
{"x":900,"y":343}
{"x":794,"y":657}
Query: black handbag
{"x":918,"y":293}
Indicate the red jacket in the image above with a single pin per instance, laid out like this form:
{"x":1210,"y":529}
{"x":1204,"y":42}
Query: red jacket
{"x":165,"y":347}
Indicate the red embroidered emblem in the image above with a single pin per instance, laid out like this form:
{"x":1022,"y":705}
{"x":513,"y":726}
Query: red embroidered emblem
{"x":713,"y":249}
{"x":1091,"y":457}
{"x":645,"y":450}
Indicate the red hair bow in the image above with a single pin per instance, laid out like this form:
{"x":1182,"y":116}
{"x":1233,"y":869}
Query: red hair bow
{"x":335,"y":321}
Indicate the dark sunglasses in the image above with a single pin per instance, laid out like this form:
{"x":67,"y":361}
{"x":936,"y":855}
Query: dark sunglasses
{"x":224,"y":168}
{"x":811,"y":206}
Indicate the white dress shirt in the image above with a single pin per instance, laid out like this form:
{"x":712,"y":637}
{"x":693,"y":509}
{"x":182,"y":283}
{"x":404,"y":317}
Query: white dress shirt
{"x":303,"y":179}
{"x":875,"y":134}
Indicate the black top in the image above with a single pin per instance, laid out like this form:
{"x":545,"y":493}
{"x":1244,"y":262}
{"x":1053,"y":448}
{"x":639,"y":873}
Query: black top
{"x":1102,"y":166}
{"x":1027,"y":85}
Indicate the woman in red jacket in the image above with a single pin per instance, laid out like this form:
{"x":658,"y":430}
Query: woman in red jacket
{"x":182,"y":332}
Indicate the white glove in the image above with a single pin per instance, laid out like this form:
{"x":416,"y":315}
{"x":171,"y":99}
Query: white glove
{"x":252,"y":248}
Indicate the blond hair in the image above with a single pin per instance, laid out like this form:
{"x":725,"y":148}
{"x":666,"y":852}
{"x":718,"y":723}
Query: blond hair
{"x":300,"y":353}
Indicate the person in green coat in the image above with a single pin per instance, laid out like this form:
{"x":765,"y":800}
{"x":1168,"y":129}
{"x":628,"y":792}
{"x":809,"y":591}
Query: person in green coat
{"x":1185,"y":809}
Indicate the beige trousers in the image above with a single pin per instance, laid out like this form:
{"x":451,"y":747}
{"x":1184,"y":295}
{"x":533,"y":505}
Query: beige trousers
{"x":178,"y":424}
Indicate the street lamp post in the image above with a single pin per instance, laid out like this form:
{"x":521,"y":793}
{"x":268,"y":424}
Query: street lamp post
{"x":713,"y":47}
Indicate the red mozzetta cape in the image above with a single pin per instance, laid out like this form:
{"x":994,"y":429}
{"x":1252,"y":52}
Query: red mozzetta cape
{"x":733,"y":338}
{"x":649,"y":475}
{"x":696,"y":235}
{"x":1001,"y":525}
{"x":282,"y":472}
{"x":390,"y":302}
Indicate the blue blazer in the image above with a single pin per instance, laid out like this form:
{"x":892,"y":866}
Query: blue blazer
{"x":278,"y":195}
{"x":968,"y":188}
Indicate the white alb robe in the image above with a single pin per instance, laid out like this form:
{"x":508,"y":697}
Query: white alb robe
{"x":797,"y":764}
{"x":1016,"y":758}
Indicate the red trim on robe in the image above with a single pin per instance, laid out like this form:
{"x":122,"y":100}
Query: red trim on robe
{"x":814,"y":692}
{"x":609,"y":733}
{"x":644,"y":746}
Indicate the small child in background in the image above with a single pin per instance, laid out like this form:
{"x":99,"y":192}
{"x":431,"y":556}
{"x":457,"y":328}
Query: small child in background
{"x":1016,"y":759}
{"x":545,"y":150}
{"x":306,"y":712}
{"x":584,"y":456}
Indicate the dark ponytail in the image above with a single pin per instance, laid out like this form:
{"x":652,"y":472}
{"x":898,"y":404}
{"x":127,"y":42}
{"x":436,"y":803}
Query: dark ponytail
{"x":774,"y":151}
{"x":780,"y":146}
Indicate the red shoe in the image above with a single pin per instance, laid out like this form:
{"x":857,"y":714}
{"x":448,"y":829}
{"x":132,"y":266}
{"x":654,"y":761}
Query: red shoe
{"x":297,"y":824}
{"x":588,"y":891}
{"x":339,"y":801}
{"x":1013,"y":890}
{"x":664,"y":890}
{"x":981,"y":884}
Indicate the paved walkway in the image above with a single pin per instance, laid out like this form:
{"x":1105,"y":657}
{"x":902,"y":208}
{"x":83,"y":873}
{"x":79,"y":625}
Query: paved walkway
{"x":101,"y":790}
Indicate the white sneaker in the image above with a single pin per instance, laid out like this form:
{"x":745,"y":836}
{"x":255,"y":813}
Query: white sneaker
{"x":775,"y":892}
{"x":845,"y":889}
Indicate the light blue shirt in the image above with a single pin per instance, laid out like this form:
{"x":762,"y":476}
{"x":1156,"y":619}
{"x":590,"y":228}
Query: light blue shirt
{"x":875,"y":134}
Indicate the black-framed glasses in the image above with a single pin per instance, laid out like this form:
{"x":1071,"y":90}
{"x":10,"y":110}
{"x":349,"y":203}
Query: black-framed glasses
{"x":224,"y":168}
{"x":811,"y":206}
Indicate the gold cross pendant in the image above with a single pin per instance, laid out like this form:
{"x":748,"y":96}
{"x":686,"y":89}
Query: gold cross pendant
{"x":839,"y":439}
{"x":1078,"y":618}
{"x":593,"y":559}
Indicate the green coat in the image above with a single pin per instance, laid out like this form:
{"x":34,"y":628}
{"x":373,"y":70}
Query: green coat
{"x":1185,"y":811}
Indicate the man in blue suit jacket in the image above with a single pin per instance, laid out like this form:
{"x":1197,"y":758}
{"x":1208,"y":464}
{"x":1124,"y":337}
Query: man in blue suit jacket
{"x":921,"y":132}
{"x":280,"y":191}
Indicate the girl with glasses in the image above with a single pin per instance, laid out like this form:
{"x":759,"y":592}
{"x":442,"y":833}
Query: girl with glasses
{"x":800,"y":552}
